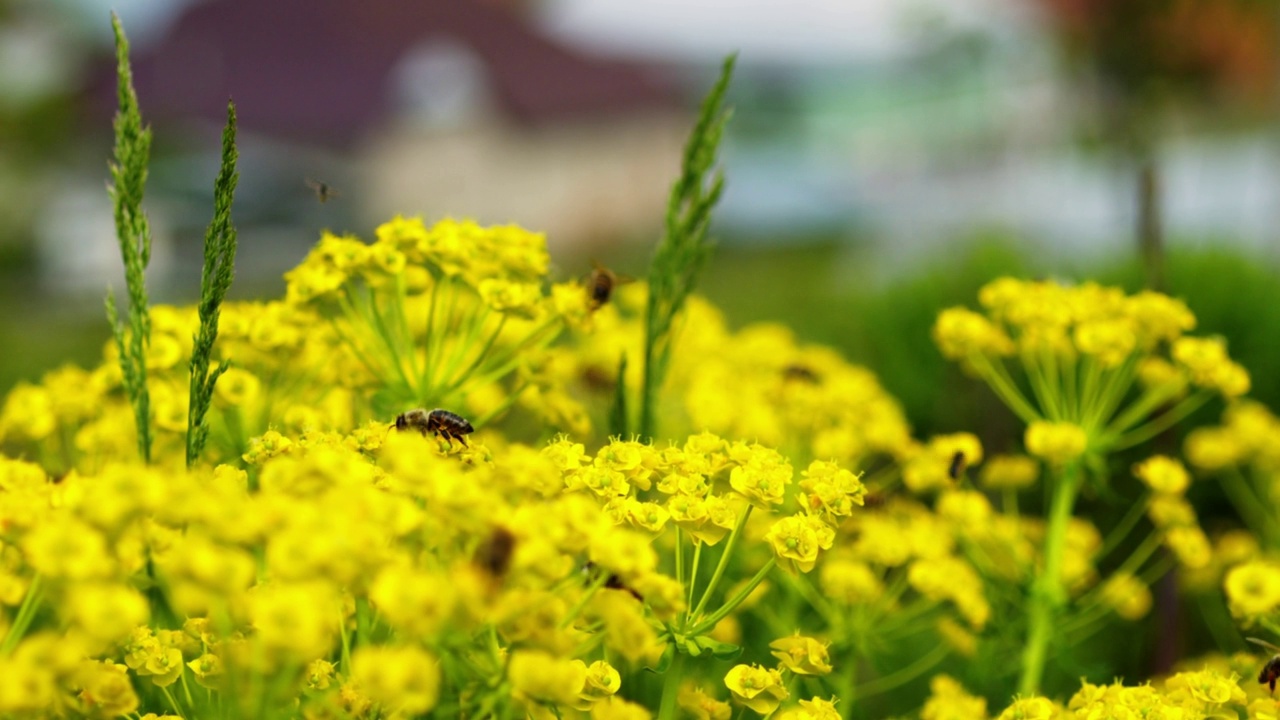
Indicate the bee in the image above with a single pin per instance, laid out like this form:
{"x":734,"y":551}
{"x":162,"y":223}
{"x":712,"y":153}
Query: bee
{"x":597,"y":379}
{"x":1270,"y":672}
{"x":801,"y":373}
{"x":495,"y":553}
{"x":957,"y":465}
{"x":323,"y":190}
{"x":874,"y":499}
{"x":440,"y":422}
{"x":600,"y":284}
{"x":590,"y":572}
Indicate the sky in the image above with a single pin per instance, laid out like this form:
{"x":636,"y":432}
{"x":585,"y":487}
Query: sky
{"x":817,"y":31}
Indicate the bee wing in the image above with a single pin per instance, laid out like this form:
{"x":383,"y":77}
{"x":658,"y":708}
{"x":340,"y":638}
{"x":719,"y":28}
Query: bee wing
{"x":620,"y":279}
{"x":1264,"y":643}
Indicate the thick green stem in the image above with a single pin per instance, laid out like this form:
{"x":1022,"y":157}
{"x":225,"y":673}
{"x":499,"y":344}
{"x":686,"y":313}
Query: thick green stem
{"x":671,"y":687}
{"x":1047,"y":593}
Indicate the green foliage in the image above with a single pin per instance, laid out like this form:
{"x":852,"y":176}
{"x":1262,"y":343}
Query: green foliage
{"x":128,"y":179}
{"x":215,"y":280}
{"x":618,"y":410}
{"x":684,"y":248}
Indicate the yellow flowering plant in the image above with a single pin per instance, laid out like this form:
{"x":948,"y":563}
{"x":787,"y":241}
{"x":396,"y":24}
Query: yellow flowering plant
{"x":774,"y":542}
{"x":1099,"y":371}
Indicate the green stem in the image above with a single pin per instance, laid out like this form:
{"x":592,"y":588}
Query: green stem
{"x":1248,"y":504}
{"x":1004,"y":387}
{"x":582,"y":601}
{"x":724,"y":562}
{"x":26,"y":613}
{"x":1047,"y":594}
{"x":1153,"y":428}
{"x":1124,"y":527}
{"x":671,"y":687}
{"x":904,"y":675}
{"x":693,"y":576}
{"x":679,"y":549}
{"x":733,"y":602}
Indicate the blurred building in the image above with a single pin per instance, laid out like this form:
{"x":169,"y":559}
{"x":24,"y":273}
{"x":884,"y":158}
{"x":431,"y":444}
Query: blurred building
{"x":418,"y":108}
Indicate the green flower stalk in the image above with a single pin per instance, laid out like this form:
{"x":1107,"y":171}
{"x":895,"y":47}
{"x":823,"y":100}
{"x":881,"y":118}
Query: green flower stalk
{"x":215,"y":280}
{"x":128,"y":180}
{"x":454,"y":315}
{"x":684,"y":248}
{"x":1101,"y":372}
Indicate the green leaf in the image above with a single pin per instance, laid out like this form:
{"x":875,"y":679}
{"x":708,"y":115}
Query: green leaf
{"x":684,"y":248}
{"x":664,"y":662}
{"x":618,"y":411}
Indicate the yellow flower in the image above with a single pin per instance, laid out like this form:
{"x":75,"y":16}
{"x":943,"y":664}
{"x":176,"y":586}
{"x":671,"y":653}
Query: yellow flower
{"x":1207,"y":362}
{"x":949,"y":701}
{"x":962,"y":641}
{"x":537,"y":676}
{"x":505,"y":296}
{"x":318,"y":676}
{"x":1127,"y":595}
{"x":237,"y":387}
{"x":757,"y":688}
{"x":403,"y":680}
{"x":802,"y":655}
{"x":208,"y":670}
{"x":1110,"y":340}
{"x":1190,"y":545}
{"x":602,"y":682}
{"x":1253,"y":589}
{"x":1009,"y":472}
{"x":1206,"y":687}
{"x":797,"y":539}
{"x":707,"y":520}
{"x":1213,"y":448}
{"x":700,"y":705}
{"x":831,"y":490}
{"x":1035,"y":708}
{"x":1056,"y":442}
{"x":815,"y":709}
{"x":960,"y":333}
{"x":763,"y":479}
{"x":294,"y":618}
{"x":615,"y":708}
{"x":1163,"y":474}
{"x":849,"y":581}
{"x":107,"y":612}
{"x":63,"y":547}
{"x":106,"y":690}
{"x":931,"y":467}
{"x":414,"y":601}
{"x":27,"y":413}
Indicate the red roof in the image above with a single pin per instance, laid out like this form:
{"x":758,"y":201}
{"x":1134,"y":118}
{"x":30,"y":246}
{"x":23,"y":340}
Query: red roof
{"x":320,"y":70}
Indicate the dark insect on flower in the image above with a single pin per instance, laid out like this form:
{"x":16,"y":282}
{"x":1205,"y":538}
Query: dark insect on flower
{"x":612,"y":581}
{"x":874,"y":499}
{"x":441,"y":423}
{"x":495,"y":553}
{"x":957,"y":465}
{"x":600,"y":284}
{"x":323,"y":190}
{"x":597,"y":379}
{"x":802,"y":373}
{"x":1270,"y":672}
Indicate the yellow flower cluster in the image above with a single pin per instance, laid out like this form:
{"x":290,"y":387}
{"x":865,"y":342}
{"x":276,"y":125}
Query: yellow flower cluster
{"x":323,"y":564}
{"x":1082,"y":348}
{"x":757,"y":383}
{"x":1205,"y":693}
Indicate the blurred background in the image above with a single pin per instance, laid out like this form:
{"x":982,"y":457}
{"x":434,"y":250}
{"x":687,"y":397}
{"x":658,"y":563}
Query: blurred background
{"x":885,"y":159}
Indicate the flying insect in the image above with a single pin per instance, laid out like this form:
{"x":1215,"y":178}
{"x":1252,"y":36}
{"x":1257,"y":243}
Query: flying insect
{"x":441,"y":423}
